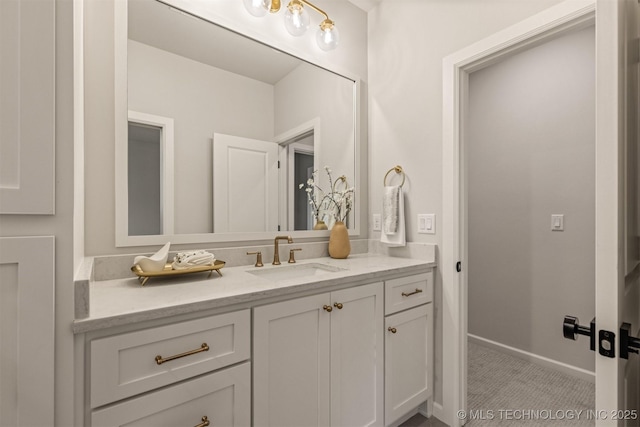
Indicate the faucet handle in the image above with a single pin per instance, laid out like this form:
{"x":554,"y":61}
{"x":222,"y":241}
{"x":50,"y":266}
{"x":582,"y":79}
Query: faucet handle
{"x":258,"y":258}
{"x":291,"y":253}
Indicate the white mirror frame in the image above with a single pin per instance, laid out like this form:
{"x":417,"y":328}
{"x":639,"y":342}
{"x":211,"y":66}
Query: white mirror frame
{"x":122,"y":237}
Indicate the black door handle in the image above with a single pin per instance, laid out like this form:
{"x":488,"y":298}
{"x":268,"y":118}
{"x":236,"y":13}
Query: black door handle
{"x":571,"y":328}
{"x":628,"y":344}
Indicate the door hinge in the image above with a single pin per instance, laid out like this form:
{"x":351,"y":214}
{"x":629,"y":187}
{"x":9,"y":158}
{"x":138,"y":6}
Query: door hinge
{"x":279,"y":228}
{"x":278,"y":164}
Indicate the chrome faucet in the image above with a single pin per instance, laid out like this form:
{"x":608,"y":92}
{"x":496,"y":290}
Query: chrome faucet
{"x":276,"y":253}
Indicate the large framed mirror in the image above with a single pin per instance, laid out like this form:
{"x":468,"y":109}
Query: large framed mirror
{"x":222,"y":130}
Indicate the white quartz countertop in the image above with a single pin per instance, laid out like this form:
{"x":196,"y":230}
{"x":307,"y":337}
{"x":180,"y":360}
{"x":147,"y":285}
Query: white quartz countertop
{"x":125,"y":301}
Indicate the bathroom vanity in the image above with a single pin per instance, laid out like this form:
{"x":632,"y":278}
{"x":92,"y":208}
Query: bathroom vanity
{"x":320,"y":342}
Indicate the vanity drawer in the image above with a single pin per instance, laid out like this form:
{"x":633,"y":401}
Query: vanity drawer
{"x":125,"y":365}
{"x":406,"y":292}
{"x":224,"y":397}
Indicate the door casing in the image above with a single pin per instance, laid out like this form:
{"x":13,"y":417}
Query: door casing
{"x":555,"y":21}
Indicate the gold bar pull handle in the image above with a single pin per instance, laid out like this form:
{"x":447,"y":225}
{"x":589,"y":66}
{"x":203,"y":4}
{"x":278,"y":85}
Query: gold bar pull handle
{"x":417,"y":291}
{"x":204,"y":423}
{"x":160,"y":360}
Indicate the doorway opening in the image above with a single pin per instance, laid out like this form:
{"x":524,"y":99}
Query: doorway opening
{"x":457,"y":69}
{"x":529,"y":142}
{"x":299,"y":154}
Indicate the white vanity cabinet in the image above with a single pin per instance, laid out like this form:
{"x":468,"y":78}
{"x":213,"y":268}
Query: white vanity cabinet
{"x":175,"y":374}
{"x":408,"y":344}
{"x":318,"y":360}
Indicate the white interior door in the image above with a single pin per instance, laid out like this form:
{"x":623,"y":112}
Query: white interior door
{"x":617,"y":266}
{"x":245,"y":184}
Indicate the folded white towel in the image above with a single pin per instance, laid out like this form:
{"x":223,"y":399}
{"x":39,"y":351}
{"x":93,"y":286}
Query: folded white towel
{"x":390,"y":209}
{"x":398,"y":238}
{"x":192,"y":259}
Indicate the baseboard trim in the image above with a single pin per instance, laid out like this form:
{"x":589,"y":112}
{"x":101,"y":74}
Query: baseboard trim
{"x":574,"y":371}
{"x":437,"y":410}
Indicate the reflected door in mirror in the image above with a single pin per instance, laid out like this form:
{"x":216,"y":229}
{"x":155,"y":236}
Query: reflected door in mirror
{"x":245,"y":184}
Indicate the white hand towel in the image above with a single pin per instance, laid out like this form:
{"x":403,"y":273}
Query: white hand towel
{"x":399,"y":237}
{"x":390,"y":208}
{"x":184,"y":260}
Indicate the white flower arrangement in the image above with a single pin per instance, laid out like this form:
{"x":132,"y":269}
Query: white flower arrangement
{"x":336,"y":203}
{"x":316,"y":196}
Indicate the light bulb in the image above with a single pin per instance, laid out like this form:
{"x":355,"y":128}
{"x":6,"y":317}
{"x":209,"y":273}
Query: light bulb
{"x":258,"y":8}
{"x":296,"y":19}
{"x":328,"y":35}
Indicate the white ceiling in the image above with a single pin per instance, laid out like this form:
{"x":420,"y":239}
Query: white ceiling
{"x":156,"y":24}
{"x":367,"y":5}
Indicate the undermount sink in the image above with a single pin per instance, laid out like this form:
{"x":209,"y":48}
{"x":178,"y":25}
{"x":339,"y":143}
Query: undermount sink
{"x":296,"y":271}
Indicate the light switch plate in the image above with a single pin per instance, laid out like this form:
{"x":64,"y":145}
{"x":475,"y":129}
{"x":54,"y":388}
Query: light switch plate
{"x":377,"y":222}
{"x":427,"y":223}
{"x":557,"y":222}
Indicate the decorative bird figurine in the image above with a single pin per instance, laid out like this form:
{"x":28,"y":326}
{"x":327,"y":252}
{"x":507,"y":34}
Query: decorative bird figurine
{"x":155,"y":262}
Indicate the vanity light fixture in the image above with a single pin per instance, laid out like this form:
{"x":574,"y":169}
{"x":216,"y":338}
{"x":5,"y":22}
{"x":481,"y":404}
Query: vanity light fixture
{"x":296,"y":19}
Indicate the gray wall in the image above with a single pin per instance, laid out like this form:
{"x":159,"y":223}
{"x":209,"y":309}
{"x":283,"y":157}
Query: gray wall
{"x":531,"y":145}
{"x":144,"y":172}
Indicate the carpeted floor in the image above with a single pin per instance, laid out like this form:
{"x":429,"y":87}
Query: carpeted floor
{"x":505,"y":390}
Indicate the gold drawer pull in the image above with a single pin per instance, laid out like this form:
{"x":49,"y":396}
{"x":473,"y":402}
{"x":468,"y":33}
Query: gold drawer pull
{"x":338,"y":305}
{"x":204,"y":423}
{"x":392,"y":330}
{"x":327,"y":308}
{"x":417,"y":291}
{"x":160,"y":360}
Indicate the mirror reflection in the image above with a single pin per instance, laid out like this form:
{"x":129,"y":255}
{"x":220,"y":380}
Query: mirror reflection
{"x":223,"y":129}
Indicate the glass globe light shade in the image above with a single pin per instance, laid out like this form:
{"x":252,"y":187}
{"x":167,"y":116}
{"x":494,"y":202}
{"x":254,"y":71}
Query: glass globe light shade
{"x":296,"y":19}
{"x":258,"y":8}
{"x":328,"y":36}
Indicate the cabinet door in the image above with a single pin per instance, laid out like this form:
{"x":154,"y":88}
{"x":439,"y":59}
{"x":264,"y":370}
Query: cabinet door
{"x":357,"y":342}
{"x":224,"y":398}
{"x":408,"y":360}
{"x":291,"y":363}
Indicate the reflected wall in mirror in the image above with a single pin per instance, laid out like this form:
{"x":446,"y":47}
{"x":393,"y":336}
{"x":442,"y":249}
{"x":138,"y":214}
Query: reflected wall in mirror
{"x":224,"y":94}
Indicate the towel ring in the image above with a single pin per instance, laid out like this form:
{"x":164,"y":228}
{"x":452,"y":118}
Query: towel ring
{"x":398,"y":169}
{"x":340,"y":178}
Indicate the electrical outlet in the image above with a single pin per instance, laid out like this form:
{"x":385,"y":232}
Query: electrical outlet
{"x":427,"y":223}
{"x":377,"y":222}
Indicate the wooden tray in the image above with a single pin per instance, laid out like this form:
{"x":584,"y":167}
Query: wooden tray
{"x":169,"y":271}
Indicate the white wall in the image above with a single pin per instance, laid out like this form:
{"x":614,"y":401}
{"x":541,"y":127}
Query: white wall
{"x":308,"y":93}
{"x":210,"y":100}
{"x":531,"y":151}
{"x":407,"y":41}
{"x":349,"y":59}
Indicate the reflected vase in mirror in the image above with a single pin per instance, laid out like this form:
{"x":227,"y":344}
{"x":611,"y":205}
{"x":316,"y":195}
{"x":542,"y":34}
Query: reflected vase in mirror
{"x":339,"y":245}
{"x":320,"y":225}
